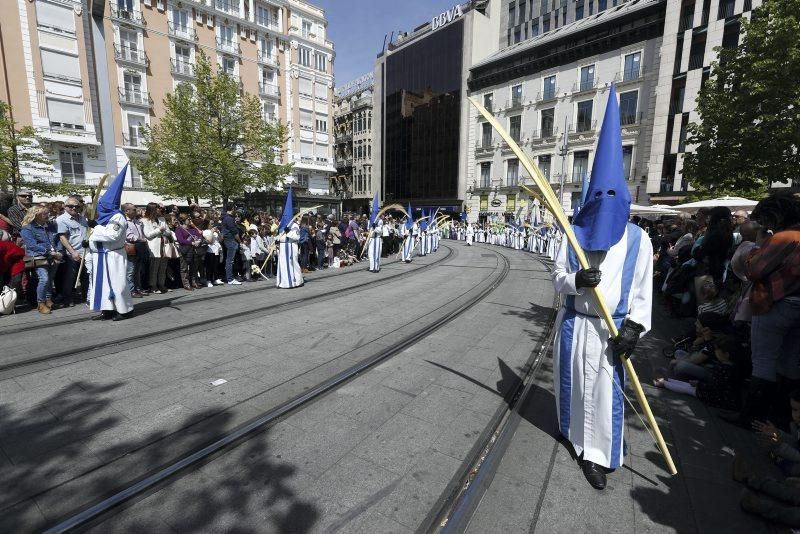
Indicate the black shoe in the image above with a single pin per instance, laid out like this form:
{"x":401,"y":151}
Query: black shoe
{"x":122,"y":316}
{"x":104,"y":316}
{"x":595,"y":474}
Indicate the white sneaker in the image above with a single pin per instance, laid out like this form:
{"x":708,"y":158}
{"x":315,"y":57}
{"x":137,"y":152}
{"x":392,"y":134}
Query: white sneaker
{"x":234,"y":282}
{"x":209,"y":284}
{"x":218,"y":282}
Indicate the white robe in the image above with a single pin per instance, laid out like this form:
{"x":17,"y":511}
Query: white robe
{"x":408,"y":245}
{"x":109,"y":289}
{"x":289,"y":272}
{"x":470,"y":234}
{"x":374,"y":249}
{"x":587,"y":382}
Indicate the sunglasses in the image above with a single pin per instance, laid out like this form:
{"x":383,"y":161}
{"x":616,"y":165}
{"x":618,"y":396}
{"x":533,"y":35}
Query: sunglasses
{"x":71,"y":206}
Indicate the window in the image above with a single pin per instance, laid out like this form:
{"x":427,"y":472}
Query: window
{"x":486,"y":135}
{"x":266,"y":17}
{"x":486,"y":175}
{"x":587,"y":78}
{"x":515,"y":127}
{"x":306,"y":29}
{"x":601,"y":5}
{"x":321,"y":90}
{"x":549,"y":87}
{"x":304,"y":56}
{"x":129,"y":44}
{"x":267,"y":48}
{"x":66,"y":114}
{"x":72,"y":166}
{"x":306,"y":120}
{"x":517,"y":35}
{"x":697,"y":51}
{"x":321,"y":62}
{"x":55,"y":17}
{"x":269,"y":112}
{"x":627,"y":156}
{"x":632,"y":66}
{"x":305,"y":87}
{"x":512,"y":14}
{"x":548,"y":122}
{"x":627,"y":107}
{"x":60,"y":66}
{"x":579,"y":10}
{"x":535,"y":28}
{"x":546,"y":24}
{"x":484,"y":203}
{"x":544,"y":166}
{"x":584,"y":115}
{"x":180,"y":21}
{"x":322,"y":126}
{"x":726,"y":9}
{"x":183,"y":59}
{"x":511,"y":203}
{"x":521,"y":11}
{"x":226,"y":35}
{"x":575,"y":197}
{"x":135,"y":126}
{"x":488,"y":101}
{"x":580,"y":166}
{"x":132,"y":84}
{"x":512,"y":172}
{"x":229,"y":65}
{"x":516,"y":95}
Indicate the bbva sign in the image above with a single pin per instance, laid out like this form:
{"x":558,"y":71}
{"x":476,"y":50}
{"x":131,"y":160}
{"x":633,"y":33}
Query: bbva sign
{"x":447,"y":17}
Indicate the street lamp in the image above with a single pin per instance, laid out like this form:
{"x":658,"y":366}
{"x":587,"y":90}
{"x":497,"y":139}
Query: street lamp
{"x":563,"y":151}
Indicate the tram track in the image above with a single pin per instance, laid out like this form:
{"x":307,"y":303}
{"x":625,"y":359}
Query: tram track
{"x":458,"y":503}
{"x":94,"y":350}
{"x":93,"y":514}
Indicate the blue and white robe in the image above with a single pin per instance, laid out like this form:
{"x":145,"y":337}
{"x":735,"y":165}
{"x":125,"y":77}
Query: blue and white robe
{"x":374,"y":248}
{"x":407,"y":252}
{"x":109,"y":289}
{"x":289,"y":272}
{"x":423,"y":243}
{"x":588,"y":384}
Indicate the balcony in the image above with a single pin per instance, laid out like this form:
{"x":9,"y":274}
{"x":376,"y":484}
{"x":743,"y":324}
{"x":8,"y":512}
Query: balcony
{"x":227,"y":6}
{"x":629,"y":75}
{"x":344,"y":163}
{"x":230,"y":47}
{"x":630,"y":119}
{"x":270,"y":60}
{"x":269,"y":90}
{"x":364,"y":101}
{"x":578,"y":175}
{"x":125,"y":54}
{"x":125,"y":16}
{"x":181,"y":68}
{"x":134,"y":142}
{"x":134,"y":98}
{"x":182,"y":32}
{"x":584,"y":86}
{"x":343,"y":138}
{"x":485,"y":147}
{"x":267,"y":23}
{"x":544,"y":136}
{"x":516,"y":102}
{"x":548,"y":94}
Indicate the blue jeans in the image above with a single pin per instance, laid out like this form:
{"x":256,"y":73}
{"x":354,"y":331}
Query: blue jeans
{"x":231,"y":249}
{"x":775,"y":340}
{"x":44,"y":289}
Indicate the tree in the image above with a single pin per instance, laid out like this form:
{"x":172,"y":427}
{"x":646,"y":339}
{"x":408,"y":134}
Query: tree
{"x":749,"y":131}
{"x":212,"y":141}
{"x":23,"y":164}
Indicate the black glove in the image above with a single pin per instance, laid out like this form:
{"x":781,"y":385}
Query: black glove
{"x":625,"y":342}
{"x":91,"y":223}
{"x":587,"y":277}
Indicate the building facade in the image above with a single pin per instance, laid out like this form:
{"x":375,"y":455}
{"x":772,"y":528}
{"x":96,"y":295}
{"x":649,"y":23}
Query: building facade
{"x":88,"y":75}
{"x":692,"y":29}
{"x":550,"y":93}
{"x":353,"y":144}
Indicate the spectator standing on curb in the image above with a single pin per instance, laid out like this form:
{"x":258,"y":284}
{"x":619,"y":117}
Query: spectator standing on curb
{"x":72,"y":231}
{"x":189,"y":239}
{"x":137,"y":251}
{"x":231,"y":240}
{"x":17,"y":211}
{"x":156,"y":231}
{"x":39,"y":238}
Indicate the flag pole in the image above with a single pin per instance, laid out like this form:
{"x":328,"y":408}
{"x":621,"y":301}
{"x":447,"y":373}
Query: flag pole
{"x":558,"y":212}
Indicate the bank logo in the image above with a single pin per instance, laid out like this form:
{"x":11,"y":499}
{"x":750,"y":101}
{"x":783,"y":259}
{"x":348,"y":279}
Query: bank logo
{"x":446,"y":17}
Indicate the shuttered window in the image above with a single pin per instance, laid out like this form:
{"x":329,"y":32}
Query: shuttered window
{"x":61,"y":66}
{"x":55,"y":17}
{"x":66,"y":114}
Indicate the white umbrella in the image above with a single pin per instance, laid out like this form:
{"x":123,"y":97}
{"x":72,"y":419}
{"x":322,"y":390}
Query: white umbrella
{"x":651,"y":210}
{"x":728,"y":202}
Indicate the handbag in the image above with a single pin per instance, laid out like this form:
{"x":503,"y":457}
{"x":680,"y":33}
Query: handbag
{"x":8,"y":298}
{"x":170,"y":251}
{"x":130,"y":249}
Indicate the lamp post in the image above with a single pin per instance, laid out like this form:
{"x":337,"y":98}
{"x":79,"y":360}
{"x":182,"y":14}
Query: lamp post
{"x":563,"y":151}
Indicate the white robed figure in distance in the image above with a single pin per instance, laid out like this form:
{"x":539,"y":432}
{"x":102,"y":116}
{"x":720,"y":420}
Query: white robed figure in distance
{"x":109,"y":292}
{"x":470,"y":234}
{"x":408,"y":233}
{"x":289,"y":273}
{"x":589,"y":377}
{"x":374,"y":240}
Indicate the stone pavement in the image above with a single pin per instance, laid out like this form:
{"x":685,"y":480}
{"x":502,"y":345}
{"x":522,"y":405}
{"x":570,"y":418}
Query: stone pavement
{"x":374,"y":455}
{"x":540,"y":488}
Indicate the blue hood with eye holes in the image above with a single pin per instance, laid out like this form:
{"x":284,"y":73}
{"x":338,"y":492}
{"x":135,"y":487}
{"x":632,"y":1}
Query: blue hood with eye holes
{"x":601,"y":222}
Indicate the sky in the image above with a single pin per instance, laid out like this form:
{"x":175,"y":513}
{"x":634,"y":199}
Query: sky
{"x":358,"y":27}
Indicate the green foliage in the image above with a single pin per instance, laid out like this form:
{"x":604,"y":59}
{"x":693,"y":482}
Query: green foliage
{"x":21,"y":157}
{"x":750,"y":109}
{"x":212,"y":142}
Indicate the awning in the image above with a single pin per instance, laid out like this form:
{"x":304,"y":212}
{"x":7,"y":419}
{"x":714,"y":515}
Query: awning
{"x":726,"y":201}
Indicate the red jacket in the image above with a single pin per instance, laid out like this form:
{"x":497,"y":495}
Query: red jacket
{"x":774,"y":269}
{"x":11,"y":258}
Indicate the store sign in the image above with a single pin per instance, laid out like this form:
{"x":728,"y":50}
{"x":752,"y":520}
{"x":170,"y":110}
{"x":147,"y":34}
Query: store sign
{"x":447,"y":17}
{"x":496,"y":202}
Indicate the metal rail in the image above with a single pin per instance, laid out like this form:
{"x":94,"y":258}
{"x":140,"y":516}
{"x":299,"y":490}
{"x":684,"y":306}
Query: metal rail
{"x":95,"y":511}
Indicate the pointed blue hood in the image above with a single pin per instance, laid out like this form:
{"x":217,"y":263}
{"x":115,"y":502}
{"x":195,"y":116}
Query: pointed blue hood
{"x":602,"y":219}
{"x":410,"y":220}
{"x":373,"y":212}
{"x":109,"y":203}
{"x":288,"y":212}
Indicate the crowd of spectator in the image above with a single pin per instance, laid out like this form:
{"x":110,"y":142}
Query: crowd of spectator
{"x":737,"y":275}
{"x":168,"y":248}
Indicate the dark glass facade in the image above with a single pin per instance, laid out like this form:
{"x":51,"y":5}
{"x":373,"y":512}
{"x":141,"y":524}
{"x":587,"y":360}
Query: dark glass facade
{"x":422,"y":102}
